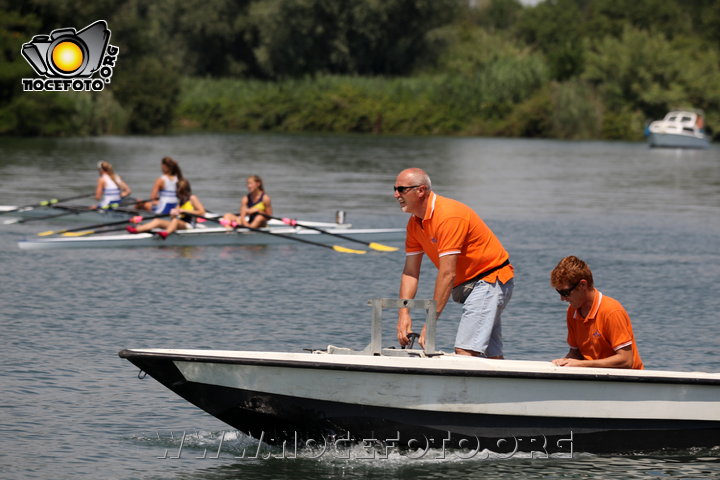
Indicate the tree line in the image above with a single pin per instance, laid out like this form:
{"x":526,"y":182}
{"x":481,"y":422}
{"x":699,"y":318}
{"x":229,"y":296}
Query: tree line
{"x":559,"y":69}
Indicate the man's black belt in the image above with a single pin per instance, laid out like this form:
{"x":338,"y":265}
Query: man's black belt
{"x":488,"y":272}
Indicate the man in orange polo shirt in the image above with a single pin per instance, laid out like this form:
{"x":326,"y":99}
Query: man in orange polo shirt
{"x":469,"y":258}
{"x":599,"y":330}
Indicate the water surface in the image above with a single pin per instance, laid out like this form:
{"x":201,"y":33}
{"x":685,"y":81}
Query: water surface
{"x":647,"y":221}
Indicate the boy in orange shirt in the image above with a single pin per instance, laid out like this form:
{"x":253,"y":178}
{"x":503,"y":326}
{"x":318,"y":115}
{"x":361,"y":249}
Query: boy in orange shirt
{"x":599,"y":330}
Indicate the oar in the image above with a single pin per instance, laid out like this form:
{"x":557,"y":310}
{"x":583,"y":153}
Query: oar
{"x":337,"y":248}
{"x":45,"y":203}
{"x":75,"y":210}
{"x":91,"y":232}
{"x":120,"y":207}
{"x":115,"y":206}
{"x":292,"y":222}
{"x":69,"y":211}
{"x":87,"y":229}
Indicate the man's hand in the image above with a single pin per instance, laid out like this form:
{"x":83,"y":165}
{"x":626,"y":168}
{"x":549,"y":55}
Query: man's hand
{"x":623,"y":358}
{"x":404,"y":326}
{"x":568,"y":362}
{"x":421,"y":340}
{"x":408,"y":288}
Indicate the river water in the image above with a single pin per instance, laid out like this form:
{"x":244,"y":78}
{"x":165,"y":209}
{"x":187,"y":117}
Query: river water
{"x":647,"y":221}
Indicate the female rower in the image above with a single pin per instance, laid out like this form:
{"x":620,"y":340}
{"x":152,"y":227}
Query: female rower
{"x":251,"y":205}
{"x":189,"y":203}
{"x":110,"y":189}
{"x":163,"y":194}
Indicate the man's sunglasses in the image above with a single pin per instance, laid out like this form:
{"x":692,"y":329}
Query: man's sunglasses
{"x":566,"y":292}
{"x":402,"y":190}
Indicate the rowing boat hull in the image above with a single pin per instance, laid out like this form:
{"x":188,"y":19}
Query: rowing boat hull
{"x":418,"y":401}
{"x":207,"y":237}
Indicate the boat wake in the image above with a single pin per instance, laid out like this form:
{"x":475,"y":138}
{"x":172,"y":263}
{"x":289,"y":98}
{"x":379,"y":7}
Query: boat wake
{"x":234,"y":445}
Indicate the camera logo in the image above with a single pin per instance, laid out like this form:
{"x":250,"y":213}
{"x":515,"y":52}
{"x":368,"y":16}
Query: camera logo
{"x":67,"y":59}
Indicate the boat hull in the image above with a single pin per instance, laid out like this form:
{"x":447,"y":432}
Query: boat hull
{"x":672,"y":140}
{"x":207,"y":237}
{"x":442,"y":401}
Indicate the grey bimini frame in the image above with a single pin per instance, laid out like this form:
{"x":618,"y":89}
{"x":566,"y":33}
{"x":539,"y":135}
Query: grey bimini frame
{"x":375,"y":346}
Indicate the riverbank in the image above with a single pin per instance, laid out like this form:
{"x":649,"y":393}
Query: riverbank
{"x":496,"y":104}
{"x":513,"y":98}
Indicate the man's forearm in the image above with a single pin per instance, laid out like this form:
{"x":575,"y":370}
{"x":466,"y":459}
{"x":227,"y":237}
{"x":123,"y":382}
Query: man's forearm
{"x":443,"y":288}
{"x":408,"y":286}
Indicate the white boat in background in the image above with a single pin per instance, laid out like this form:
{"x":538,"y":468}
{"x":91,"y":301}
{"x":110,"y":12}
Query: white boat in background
{"x":421,"y":399}
{"x":276,"y":233}
{"x":679,"y":129}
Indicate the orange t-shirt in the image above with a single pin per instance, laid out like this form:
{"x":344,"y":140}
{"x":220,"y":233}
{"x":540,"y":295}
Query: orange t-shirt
{"x":606,"y":329}
{"x":452,"y":228}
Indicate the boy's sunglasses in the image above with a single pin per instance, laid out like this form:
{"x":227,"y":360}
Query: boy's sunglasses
{"x":566,"y":292}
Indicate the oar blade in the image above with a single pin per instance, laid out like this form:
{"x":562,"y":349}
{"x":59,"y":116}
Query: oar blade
{"x":340,"y":249}
{"x":78,"y":234}
{"x":382,"y":248}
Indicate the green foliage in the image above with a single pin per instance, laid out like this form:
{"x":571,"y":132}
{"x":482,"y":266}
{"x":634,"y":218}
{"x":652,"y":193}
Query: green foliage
{"x":610,"y":17}
{"x":53,"y":114}
{"x":647,"y":72}
{"x":38,"y":113}
{"x":422,"y":105}
{"x":493,"y":90}
{"x":622,"y":124}
{"x":148,"y":90}
{"x":15,"y":28}
{"x":325,"y":103}
{"x":555,"y":27}
{"x":497,"y":14}
{"x":705,"y":16}
{"x":568,"y":110}
{"x":560,"y":68}
{"x":306,"y":37}
{"x":531,"y":118}
{"x":99,"y":114}
{"x":577,"y":112}
{"x":145,"y":79}
{"x":216,"y":37}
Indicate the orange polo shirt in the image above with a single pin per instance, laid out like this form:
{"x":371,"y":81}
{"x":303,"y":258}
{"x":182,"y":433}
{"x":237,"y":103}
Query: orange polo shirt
{"x":453,"y":228}
{"x":606,"y":329}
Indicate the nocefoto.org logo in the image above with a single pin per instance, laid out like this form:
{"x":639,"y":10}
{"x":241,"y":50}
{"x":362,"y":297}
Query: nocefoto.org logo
{"x":67,"y":59}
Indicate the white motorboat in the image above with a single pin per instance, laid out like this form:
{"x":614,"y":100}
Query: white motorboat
{"x":276,"y":233}
{"x":679,"y":129}
{"x":423,"y":398}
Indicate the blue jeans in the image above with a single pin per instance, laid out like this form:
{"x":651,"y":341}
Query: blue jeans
{"x":480,"y":328}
